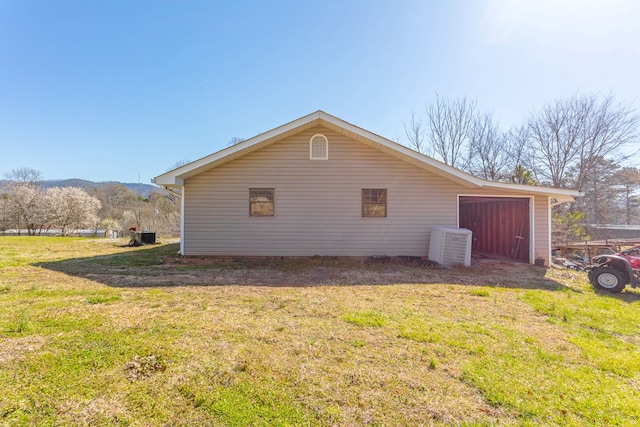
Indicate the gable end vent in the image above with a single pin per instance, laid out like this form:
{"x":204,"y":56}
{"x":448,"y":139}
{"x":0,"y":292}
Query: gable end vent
{"x":319,"y":147}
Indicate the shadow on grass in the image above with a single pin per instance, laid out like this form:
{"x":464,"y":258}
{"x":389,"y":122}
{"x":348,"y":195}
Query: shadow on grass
{"x":627,"y":295}
{"x":161,"y":266}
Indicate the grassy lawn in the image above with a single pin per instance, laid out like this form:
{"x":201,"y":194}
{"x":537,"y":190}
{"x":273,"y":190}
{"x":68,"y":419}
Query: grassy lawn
{"x":94,"y":333}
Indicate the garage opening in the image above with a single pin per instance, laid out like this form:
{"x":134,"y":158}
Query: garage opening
{"x":500,"y":225}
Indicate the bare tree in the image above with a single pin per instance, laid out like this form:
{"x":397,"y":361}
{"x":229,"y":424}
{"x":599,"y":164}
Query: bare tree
{"x":25,"y":175}
{"x":165,"y":217}
{"x":609,"y":126}
{"x":577,"y":132}
{"x":458,"y":135}
{"x":415,"y":134}
{"x":554,"y":134}
{"x":573,"y":143}
{"x":520,"y":156}
{"x":450,"y":125}
{"x":490,"y":157}
{"x":114,"y":199}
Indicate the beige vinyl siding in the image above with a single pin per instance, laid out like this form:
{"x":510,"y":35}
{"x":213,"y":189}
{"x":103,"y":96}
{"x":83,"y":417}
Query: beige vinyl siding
{"x":318,"y":204}
{"x":542,"y":229}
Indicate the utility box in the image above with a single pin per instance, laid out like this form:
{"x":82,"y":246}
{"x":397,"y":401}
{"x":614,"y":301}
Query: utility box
{"x":147,"y":237}
{"x":143,"y":238}
{"x":450,"y":246}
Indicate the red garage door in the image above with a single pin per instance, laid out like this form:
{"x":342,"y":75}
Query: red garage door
{"x":500,"y":225}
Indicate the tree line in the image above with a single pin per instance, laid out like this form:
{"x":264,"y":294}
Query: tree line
{"x":580,"y":143}
{"x":27,"y":207}
{"x":576,"y":143}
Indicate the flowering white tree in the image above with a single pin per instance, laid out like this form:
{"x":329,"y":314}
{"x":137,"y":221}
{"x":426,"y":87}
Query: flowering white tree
{"x":22,"y":200}
{"x":71,"y":208}
{"x":24,"y":205}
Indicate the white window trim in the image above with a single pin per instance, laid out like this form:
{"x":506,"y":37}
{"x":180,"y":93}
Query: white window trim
{"x":326,"y":142}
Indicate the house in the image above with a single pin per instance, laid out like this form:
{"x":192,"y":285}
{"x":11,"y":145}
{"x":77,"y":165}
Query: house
{"x":322,"y":186}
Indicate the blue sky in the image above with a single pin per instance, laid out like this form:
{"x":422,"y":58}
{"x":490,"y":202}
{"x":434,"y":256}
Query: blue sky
{"x":122,"y":90}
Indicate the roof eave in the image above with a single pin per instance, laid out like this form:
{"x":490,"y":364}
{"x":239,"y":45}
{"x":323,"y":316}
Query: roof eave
{"x":168,"y":181}
{"x":558,"y":195}
{"x":400,"y":151}
{"x":177,"y":176}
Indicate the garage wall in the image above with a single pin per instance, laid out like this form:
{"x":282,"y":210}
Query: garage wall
{"x":542,"y":228}
{"x":318,"y":207}
{"x":318,"y":203}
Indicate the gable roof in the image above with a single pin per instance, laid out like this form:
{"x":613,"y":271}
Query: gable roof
{"x":176,"y":177}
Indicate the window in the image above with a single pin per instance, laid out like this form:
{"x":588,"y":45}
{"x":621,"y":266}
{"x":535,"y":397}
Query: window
{"x":319,"y":147}
{"x":261,"y":201}
{"x":374,"y":202}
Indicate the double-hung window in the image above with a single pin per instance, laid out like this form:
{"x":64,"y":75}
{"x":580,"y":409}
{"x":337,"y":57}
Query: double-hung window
{"x":261,"y":201}
{"x":374,"y":202}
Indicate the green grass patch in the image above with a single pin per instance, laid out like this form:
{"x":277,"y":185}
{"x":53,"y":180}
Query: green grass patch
{"x":22,"y":324}
{"x":480,"y":292}
{"x":102,"y":299}
{"x":421,"y":330}
{"x":609,"y":353}
{"x":244,"y":403}
{"x":95,"y":333}
{"x":372,"y":318}
{"x":357,"y":343}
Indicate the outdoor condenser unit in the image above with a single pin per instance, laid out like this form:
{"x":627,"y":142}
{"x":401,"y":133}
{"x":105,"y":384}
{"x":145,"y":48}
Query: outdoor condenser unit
{"x":450,"y":246}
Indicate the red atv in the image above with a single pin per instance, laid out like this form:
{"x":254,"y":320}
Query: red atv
{"x":613,"y":272}
{"x":633,"y":256}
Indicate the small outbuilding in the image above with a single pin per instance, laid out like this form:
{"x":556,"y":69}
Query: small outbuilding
{"x":321,"y":186}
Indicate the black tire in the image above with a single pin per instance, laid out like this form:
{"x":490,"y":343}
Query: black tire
{"x":608,"y":279}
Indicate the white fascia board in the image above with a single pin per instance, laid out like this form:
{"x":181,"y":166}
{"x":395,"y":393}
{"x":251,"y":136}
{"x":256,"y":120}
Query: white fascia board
{"x":556,"y":200}
{"x":176,"y":176}
{"x":167,"y":181}
{"x":561,"y":195}
{"x":404,"y":153}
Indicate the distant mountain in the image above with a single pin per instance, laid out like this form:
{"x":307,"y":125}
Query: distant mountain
{"x":139,"y":189}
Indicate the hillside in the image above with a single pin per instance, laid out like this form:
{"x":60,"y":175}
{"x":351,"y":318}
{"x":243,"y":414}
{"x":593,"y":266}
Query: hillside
{"x":137,"y":188}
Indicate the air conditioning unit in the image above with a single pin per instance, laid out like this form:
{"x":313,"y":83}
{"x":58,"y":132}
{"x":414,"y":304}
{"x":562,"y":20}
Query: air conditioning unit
{"x":450,"y":246}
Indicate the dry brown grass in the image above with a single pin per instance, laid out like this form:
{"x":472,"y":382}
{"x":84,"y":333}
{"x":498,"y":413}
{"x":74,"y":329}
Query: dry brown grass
{"x":318,"y":341}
